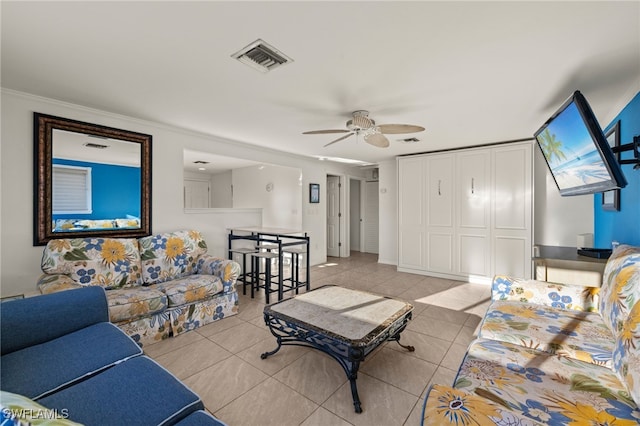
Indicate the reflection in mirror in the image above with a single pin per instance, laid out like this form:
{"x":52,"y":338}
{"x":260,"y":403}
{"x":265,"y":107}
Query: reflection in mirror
{"x":214,"y":181}
{"x":92,"y":180}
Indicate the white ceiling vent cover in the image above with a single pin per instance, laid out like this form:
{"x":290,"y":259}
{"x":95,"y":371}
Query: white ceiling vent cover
{"x":261,"y":56}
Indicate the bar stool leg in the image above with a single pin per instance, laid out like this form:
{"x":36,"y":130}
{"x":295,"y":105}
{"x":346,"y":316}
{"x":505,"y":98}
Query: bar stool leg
{"x":296,"y":261}
{"x":255,"y":284}
{"x":244,"y":274}
{"x":267,"y":279}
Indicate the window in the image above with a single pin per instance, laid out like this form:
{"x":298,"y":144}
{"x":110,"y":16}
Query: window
{"x":71,"y":189}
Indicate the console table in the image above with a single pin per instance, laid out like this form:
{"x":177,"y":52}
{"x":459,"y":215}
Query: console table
{"x":564,"y":265}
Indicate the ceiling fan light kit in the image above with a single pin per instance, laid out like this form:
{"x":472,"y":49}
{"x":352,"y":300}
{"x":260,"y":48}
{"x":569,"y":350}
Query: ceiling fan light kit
{"x":373,"y":134}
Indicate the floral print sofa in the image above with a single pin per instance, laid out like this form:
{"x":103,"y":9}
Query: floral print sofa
{"x":551,"y":354}
{"x":157,"y":286}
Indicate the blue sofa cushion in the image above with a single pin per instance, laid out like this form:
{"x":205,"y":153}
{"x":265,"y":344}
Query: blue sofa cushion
{"x":39,"y":370}
{"x":135,"y":392}
{"x":38,"y":319}
{"x":200,"y":418}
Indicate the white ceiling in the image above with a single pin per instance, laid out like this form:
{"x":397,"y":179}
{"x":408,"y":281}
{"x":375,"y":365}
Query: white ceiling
{"x":469,"y":72}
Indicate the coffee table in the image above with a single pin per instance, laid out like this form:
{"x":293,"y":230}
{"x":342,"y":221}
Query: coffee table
{"x":343,"y":323}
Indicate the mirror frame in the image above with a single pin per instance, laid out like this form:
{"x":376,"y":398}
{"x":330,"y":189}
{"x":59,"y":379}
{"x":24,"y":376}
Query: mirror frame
{"x":43,"y":149}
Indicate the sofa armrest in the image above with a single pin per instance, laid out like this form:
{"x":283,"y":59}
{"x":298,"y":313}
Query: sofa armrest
{"x":562,"y":296}
{"x":38,"y":319}
{"x":227,"y":270}
{"x":52,"y":283}
{"x":445,"y":405}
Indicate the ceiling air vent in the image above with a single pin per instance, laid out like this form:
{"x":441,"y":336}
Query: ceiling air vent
{"x":261,"y":56}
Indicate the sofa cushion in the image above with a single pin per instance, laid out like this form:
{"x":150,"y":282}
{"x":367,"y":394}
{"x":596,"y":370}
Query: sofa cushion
{"x":546,"y":388}
{"x":626,"y":301}
{"x":575,"y":334}
{"x":190,"y":289}
{"x":129,"y":303}
{"x":444,"y":405}
{"x":19,"y":410}
{"x":39,"y":370}
{"x":620,"y":285}
{"x":106,"y":262}
{"x":627,"y":353}
{"x":171,"y":255}
{"x":135,"y":392}
{"x":39,"y":319}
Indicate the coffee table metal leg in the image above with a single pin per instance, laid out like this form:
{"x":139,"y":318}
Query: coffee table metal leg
{"x":352,"y":374}
{"x":396,"y":338}
{"x":266,"y":354}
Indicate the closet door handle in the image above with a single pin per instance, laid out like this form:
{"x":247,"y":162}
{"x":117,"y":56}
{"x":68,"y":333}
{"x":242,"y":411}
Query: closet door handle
{"x":473,"y":191}
{"x":439,"y":181}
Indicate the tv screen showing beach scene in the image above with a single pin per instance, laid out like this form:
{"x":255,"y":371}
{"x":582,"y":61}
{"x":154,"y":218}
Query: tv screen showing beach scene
{"x":573,"y":153}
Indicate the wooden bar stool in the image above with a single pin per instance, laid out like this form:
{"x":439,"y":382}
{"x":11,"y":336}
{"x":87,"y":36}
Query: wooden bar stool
{"x":268,"y":257}
{"x":296,"y":253}
{"x":244,"y":251}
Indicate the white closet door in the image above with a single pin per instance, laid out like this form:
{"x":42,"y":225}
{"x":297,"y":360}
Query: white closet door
{"x":196,"y":194}
{"x":440,"y":213}
{"x":473,"y":209}
{"x":512,"y":210}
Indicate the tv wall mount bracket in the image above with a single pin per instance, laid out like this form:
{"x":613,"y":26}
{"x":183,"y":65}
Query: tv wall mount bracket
{"x":631,"y":146}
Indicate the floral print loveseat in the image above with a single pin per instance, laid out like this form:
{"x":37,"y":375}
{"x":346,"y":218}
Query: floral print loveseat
{"x":157,"y":286}
{"x":551,"y":354}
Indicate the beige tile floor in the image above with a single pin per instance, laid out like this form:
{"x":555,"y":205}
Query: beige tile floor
{"x":302,"y":386}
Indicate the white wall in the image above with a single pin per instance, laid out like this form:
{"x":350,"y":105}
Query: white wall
{"x":557,"y":220}
{"x":20,"y":262}
{"x":281,"y":201}
{"x":388,"y":216}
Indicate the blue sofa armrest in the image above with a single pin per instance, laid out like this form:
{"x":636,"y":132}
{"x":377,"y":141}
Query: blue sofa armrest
{"x":39,"y":319}
{"x":227,"y":270}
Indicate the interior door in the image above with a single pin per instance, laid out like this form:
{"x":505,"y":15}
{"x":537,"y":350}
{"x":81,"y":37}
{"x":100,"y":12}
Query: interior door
{"x":196,"y":194}
{"x":371,"y":217}
{"x":333,"y":216}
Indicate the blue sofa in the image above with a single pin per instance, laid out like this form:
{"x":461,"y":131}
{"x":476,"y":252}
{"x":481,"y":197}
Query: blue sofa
{"x":60,"y":356}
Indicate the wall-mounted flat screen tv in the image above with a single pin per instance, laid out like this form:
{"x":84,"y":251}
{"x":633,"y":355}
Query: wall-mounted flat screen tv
{"x":577,"y":153}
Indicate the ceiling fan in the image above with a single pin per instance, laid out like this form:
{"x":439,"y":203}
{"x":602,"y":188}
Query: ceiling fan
{"x":374,"y":134}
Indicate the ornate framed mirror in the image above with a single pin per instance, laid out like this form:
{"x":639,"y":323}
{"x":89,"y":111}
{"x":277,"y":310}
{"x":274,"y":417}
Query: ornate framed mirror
{"x":90,"y":180}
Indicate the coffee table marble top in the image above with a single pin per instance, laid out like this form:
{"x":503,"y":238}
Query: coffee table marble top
{"x":352,"y":315}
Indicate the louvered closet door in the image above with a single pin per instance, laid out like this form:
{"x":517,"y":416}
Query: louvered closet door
{"x":473,"y":208}
{"x":440,"y":242}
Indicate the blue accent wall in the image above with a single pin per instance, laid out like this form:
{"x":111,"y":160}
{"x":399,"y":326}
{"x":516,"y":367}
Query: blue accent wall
{"x":622,"y":226}
{"x":115,"y":191}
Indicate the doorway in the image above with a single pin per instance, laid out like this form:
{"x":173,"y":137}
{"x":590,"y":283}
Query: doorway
{"x":333,"y":216}
{"x":355,"y":215}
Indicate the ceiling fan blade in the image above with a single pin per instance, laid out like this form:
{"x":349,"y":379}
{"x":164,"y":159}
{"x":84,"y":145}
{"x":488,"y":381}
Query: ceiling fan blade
{"x":324,"y":132}
{"x":391,"y":129}
{"x":377,"y":139}
{"x":339,"y":139}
